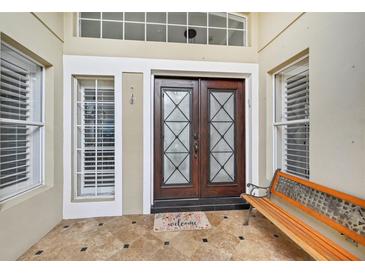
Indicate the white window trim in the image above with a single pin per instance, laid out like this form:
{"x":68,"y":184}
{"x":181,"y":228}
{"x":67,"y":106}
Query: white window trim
{"x":275,"y":124}
{"x":26,"y":194}
{"x":166,"y":24}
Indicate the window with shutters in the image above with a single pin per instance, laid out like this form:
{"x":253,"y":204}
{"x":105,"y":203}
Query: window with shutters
{"x":291,"y":119}
{"x":94,"y":138}
{"x":21,"y":123}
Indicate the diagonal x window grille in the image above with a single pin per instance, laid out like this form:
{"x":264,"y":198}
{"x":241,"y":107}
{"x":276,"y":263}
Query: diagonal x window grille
{"x":176,"y":136}
{"x":222,"y":132}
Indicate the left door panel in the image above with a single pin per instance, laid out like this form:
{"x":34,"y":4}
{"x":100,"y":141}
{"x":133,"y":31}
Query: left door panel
{"x":176,"y":127}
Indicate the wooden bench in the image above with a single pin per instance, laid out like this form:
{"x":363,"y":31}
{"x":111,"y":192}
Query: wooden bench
{"x":340,"y":211}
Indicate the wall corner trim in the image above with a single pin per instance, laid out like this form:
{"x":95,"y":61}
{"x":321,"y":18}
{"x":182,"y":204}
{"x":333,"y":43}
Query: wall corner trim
{"x":47,"y":27}
{"x":284,"y":29}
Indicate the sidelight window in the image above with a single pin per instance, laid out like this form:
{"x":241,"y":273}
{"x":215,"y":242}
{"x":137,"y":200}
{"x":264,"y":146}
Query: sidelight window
{"x":94,"y":138}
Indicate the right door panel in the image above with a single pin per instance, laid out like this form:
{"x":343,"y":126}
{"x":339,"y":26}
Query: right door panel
{"x":222,"y":143}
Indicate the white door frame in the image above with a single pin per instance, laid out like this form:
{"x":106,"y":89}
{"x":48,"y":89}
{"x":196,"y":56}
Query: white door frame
{"x":115,"y":66}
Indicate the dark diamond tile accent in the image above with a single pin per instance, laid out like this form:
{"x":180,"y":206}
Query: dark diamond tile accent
{"x":166,"y":243}
{"x":101,"y":224}
{"x":83,"y":249}
{"x":276,"y":235}
{"x":225,"y":217}
{"x":66,"y":226}
{"x":134,"y":222}
{"x":126,"y":246}
{"x":39,"y":252}
{"x":241,"y":238}
{"x":205,"y":240}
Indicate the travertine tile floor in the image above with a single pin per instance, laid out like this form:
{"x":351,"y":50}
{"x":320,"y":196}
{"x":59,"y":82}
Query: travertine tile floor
{"x":132,"y":238}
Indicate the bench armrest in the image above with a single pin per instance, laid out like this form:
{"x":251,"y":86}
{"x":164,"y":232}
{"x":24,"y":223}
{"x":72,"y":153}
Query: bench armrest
{"x":266,"y":188}
{"x":254,"y":187}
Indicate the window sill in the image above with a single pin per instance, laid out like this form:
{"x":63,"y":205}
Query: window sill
{"x":93,"y":199}
{"x":14,"y":201}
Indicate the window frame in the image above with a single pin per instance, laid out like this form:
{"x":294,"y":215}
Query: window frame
{"x":40,"y":125}
{"x":276,"y":163}
{"x":167,"y":24}
{"x":74,"y":147}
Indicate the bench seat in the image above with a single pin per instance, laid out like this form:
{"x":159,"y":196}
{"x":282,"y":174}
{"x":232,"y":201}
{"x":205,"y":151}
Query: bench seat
{"x":337,"y":210}
{"x":314,"y":243}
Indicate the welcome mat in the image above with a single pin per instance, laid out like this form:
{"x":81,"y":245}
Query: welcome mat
{"x":178,"y":221}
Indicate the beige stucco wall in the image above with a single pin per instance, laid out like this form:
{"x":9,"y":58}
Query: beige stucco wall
{"x":25,"y":219}
{"x":112,"y":47}
{"x":53,"y":21}
{"x":337,"y":98}
{"x":272,"y":24}
{"x":132,"y":143}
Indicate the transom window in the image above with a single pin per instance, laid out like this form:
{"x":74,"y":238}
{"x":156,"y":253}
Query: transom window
{"x":291,"y":121}
{"x":219,"y":28}
{"x":21,"y":123}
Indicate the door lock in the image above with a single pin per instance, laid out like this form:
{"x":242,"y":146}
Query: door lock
{"x":196,"y":149}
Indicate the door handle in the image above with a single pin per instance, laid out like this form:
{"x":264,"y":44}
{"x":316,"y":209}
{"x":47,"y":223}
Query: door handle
{"x":196,"y":149}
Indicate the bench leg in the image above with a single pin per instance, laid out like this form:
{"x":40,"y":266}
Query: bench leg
{"x":247,"y":218}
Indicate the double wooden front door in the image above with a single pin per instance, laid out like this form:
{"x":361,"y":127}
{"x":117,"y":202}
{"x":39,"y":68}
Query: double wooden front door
{"x":199,"y":146}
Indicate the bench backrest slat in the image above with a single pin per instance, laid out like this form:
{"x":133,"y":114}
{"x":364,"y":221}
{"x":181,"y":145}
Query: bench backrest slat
{"x":343,"y":212}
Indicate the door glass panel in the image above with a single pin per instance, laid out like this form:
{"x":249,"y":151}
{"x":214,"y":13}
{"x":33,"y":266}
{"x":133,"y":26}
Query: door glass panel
{"x":176,"y":136}
{"x":222,"y":143}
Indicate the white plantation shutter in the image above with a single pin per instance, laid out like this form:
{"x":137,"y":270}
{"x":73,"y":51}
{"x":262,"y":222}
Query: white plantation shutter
{"x":95,"y":138}
{"x":293,"y":123}
{"x":20,"y":123}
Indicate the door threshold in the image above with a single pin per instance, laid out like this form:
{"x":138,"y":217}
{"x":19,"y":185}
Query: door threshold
{"x":198,"y":204}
